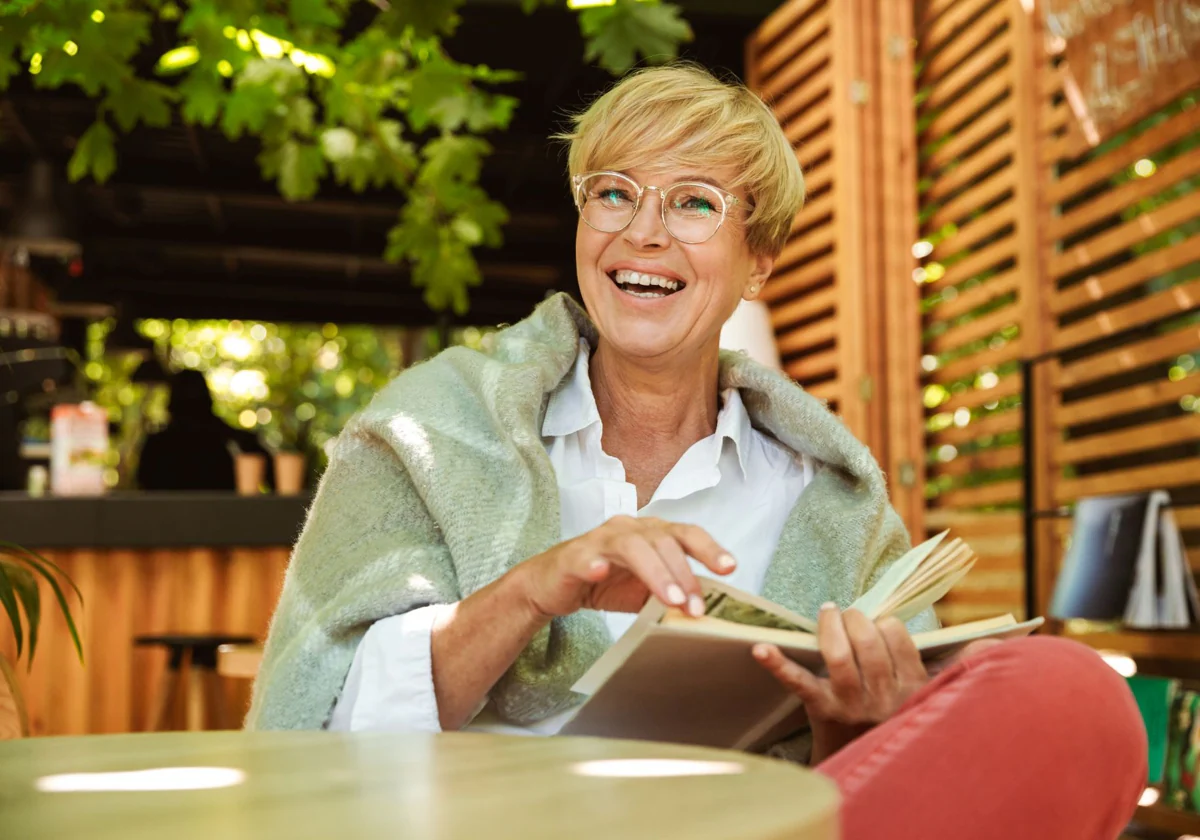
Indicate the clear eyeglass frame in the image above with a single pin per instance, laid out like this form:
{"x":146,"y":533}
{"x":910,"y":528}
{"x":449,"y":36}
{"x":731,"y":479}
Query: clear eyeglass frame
{"x":728,"y":201}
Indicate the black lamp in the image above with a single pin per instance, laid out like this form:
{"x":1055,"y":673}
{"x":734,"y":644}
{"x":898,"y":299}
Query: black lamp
{"x":41,"y":222}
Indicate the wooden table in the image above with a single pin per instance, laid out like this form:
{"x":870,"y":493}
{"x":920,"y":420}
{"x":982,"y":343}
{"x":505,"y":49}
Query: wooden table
{"x":325,"y":785}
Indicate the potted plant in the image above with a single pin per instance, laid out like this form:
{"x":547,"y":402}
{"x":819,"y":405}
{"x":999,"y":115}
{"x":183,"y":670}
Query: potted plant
{"x":20,"y":569}
{"x":291,"y":458}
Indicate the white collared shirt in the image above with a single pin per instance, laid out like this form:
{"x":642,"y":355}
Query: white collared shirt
{"x":737,"y":483}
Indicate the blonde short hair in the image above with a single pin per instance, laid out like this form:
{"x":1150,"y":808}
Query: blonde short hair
{"x":681,"y":115}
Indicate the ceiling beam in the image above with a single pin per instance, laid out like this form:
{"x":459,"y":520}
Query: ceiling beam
{"x":203,"y":296}
{"x":106,"y":254}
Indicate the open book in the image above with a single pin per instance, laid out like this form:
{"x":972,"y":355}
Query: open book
{"x":693,"y":680}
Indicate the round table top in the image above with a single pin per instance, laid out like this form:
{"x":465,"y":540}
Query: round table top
{"x":232,"y":785}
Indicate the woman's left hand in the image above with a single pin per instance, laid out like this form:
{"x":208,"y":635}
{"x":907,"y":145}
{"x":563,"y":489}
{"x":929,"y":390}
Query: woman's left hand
{"x":874,"y":666}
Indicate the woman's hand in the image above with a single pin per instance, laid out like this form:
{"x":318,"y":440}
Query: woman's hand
{"x":873,"y":668}
{"x":617,"y":566}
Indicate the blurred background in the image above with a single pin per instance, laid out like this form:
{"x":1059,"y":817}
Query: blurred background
{"x":995,"y":281}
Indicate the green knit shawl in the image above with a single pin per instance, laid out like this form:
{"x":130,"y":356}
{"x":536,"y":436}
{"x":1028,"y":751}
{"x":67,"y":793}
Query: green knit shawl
{"x":442,"y":484}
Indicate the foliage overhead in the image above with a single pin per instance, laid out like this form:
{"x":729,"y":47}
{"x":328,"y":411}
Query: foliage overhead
{"x":380,"y":106}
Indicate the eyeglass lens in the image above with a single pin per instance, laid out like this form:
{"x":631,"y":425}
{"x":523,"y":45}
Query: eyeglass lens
{"x":692,"y":212}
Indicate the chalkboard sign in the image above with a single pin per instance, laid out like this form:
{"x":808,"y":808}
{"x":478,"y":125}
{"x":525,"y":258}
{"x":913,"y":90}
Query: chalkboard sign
{"x":1125,"y":59}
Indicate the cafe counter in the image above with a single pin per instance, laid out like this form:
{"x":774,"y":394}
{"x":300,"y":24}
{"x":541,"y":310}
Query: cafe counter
{"x":145,"y":564}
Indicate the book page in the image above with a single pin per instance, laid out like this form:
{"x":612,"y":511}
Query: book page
{"x":729,"y":604}
{"x":871,"y":600}
{"x":1141,"y":610}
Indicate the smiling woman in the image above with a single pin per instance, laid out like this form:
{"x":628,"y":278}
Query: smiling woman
{"x":545,"y":487}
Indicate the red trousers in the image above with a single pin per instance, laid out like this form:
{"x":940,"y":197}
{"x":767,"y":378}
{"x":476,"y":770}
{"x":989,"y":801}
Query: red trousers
{"x":1036,"y":739}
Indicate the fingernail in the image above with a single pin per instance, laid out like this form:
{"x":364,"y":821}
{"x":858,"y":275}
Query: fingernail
{"x":829,"y":605}
{"x":760,"y":652}
{"x":675,"y":595}
{"x":726,"y":562}
{"x":596,"y":565}
{"x":696,"y":606}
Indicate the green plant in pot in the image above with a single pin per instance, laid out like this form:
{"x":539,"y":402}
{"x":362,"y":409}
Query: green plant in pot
{"x":21,"y":598}
{"x":292,"y":456}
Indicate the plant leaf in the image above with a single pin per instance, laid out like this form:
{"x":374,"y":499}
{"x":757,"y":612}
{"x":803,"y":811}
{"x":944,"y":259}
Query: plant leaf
{"x":426,"y":17}
{"x":31,"y":601}
{"x":312,"y":13}
{"x":138,"y":100}
{"x":616,"y":34}
{"x":9,"y":601}
{"x":44,"y":567}
{"x":202,"y":93}
{"x":95,"y":154}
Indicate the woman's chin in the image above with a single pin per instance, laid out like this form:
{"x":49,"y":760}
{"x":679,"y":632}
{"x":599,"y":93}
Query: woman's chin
{"x":636,"y":341}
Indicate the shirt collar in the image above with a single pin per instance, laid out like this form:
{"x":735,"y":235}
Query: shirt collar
{"x":572,"y":405}
{"x":572,"y":408}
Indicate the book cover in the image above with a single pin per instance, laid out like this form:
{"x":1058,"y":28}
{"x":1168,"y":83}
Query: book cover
{"x":689,"y":680}
{"x":1098,"y":571}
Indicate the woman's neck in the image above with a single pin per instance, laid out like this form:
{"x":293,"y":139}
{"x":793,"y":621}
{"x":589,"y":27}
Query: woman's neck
{"x":653,"y":413}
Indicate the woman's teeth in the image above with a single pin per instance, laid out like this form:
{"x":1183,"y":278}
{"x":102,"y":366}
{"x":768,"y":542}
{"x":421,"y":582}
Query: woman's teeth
{"x":640,"y":284}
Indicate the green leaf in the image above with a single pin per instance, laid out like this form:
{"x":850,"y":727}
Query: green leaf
{"x":301,"y":112}
{"x":9,"y":601}
{"x":31,"y":601}
{"x":438,"y":94}
{"x":8,"y":69}
{"x":202,"y":94}
{"x":490,"y":112}
{"x":338,"y":144}
{"x":467,"y":230}
{"x":426,"y":17}
{"x":95,"y":154}
{"x":12,"y":35}
{"x":312,"y":13}
{"x":616,"y":34}
{"x":137,"y":100}
{"x":40,"y":565}
{"x":247,"y":109}
{"x":452,"y":158}
{"x":296,"y":167}
{"x":488,"y":216}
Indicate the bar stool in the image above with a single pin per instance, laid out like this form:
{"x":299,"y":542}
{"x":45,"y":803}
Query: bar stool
{"x":239,"y":662}
{"x":193,"y":659}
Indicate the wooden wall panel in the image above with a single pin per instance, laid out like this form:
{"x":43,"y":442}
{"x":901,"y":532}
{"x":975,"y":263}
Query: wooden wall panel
{"x":977,"y":243}
{"x":810,"y":61}
{"x":129,"y":593}
{"x":1122,"y":280}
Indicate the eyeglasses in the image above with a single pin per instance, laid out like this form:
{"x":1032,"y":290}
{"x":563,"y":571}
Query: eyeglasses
{"x":691,"y":212}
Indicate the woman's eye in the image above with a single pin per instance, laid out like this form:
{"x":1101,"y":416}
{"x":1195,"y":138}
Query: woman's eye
{"x":696,"y":204}
{"x":613,"y":196}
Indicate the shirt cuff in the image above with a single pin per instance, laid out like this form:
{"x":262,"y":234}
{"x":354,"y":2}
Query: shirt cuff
{"x":390,"y":683}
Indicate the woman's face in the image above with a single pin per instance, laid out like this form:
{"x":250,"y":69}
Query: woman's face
{"x":712,"y":277}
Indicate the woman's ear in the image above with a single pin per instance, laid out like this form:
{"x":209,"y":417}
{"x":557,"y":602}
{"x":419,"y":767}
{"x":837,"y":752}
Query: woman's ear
{"x":759,"y":272}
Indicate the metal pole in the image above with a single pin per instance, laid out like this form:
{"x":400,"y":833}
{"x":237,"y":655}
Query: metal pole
{"x":1028,"y":480}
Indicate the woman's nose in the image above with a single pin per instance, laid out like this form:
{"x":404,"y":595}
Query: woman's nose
{"x":646,"y":230}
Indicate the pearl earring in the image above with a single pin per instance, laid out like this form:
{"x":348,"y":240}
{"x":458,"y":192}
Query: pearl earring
{"x":753,"y":288}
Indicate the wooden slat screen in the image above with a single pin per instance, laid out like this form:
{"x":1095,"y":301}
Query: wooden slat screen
{"x":804,"y":61}
{"x":1122,"y":274}
{"x":1003,"y":238}
{"x":975,"y":281}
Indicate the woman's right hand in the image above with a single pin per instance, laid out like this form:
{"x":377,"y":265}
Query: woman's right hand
{"x":618,"y":565}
